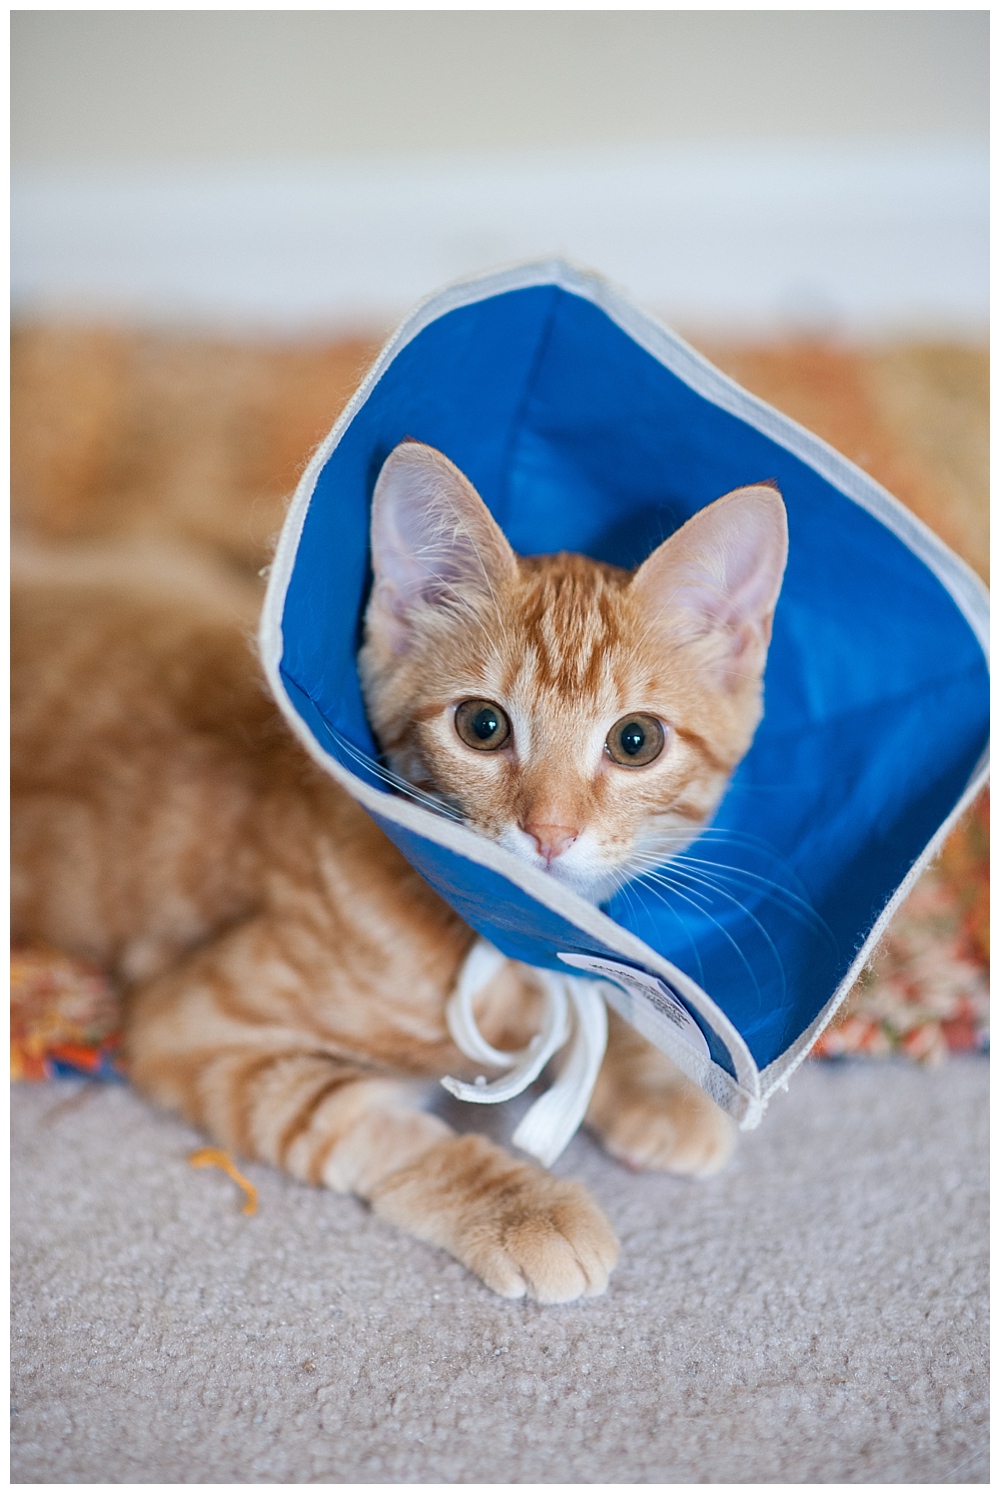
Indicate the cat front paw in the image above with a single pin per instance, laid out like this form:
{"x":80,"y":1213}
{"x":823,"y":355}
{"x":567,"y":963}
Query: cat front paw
{"x":524,"y":1232}
{"x":674,"y":1129}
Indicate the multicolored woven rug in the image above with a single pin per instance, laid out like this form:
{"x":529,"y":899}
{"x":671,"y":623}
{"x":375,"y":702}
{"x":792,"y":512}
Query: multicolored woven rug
{"x":120,"y":433}
{"x":64,"y":1017}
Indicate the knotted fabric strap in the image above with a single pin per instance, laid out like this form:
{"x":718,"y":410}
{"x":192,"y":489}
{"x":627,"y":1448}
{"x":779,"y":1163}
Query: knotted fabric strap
{"x":573,"y":1012}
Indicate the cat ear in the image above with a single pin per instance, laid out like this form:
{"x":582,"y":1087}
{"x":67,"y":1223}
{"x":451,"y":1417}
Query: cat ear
{"x":434,"y":541}
{"x":720,"y":575}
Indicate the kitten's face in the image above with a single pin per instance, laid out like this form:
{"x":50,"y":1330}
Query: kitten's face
{"x":585,"y":718}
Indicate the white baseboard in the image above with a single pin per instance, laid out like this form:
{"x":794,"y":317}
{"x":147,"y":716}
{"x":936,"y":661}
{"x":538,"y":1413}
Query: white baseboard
{"x":862,"y":240}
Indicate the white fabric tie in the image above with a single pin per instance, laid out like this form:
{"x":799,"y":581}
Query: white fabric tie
{"x":573,"y":1011}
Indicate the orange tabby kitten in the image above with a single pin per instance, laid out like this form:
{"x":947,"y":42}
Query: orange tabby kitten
{"x":286,"y":969}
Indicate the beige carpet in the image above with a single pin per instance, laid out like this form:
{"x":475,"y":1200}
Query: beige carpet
{"x":816,"y":1314}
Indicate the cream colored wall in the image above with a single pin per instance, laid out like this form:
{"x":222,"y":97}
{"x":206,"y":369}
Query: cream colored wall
{"x":134,"y":87}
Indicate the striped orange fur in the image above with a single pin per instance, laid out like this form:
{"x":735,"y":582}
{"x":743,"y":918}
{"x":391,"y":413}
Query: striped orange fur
{"x":285,"y":969}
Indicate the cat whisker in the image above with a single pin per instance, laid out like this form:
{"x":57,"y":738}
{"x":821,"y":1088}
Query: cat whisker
{"x":721,"y":832}
{"x":796,"y":906}
{"x":700,"y":902}
{"x":721,"y":892}
{"x":684,"y":928}
{"x":791,"y":884}
{"x":688,"y":896}
{"x":736,"y":838}
{"x":428,"y":801}
{"x":703,"y":910}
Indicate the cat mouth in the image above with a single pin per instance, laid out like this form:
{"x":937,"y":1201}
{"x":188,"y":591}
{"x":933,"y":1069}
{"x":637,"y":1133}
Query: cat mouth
{"x":574,"y":869}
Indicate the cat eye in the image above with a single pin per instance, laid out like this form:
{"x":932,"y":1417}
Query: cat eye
{"x":635,"y":740}
{"x":482,"y":724}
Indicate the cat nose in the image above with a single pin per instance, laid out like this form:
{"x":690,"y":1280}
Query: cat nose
{"x":551,"y":840}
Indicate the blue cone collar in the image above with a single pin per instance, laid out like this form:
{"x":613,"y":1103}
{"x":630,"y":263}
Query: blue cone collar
{"x":585,"y":425}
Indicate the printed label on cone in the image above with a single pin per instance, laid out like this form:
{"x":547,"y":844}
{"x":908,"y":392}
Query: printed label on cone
{"x":646,"y":987}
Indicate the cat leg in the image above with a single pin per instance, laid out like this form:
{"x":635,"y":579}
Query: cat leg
{"x":650,"y":1115}
{"x":524,"y":1232}
{"x":521,"y":1230}
{"x":331,"y":1122}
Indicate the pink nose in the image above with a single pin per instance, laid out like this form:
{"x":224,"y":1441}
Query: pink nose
{"x":551,"y":840}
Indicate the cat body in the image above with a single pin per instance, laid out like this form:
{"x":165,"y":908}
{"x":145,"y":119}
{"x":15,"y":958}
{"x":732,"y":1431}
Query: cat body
{"x":286,"y":971}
